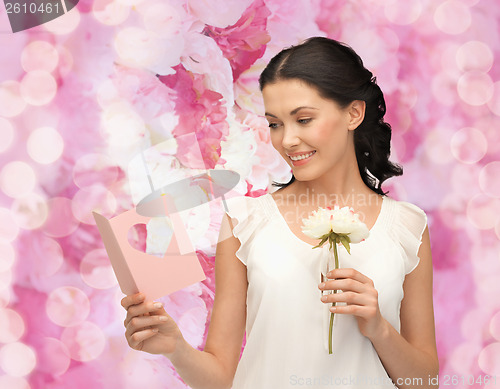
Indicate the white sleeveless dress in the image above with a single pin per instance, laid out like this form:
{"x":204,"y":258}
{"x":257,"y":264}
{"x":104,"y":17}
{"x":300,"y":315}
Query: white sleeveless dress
{"x":287,"y":324}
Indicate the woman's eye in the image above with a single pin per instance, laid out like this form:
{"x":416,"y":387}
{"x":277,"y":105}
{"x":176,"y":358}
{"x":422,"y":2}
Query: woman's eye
{"x":301,"y":121}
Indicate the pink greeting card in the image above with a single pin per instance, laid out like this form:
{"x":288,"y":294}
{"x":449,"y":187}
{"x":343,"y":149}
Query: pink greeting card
{"x":140,"y":272}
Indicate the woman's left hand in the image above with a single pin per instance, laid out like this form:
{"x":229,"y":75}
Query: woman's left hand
{"x":361,"y":297}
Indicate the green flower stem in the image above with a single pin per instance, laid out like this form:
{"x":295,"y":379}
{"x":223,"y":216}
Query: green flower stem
{"x":334,"y":303}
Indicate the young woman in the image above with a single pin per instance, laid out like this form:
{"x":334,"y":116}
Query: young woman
{"x":325,"y":114}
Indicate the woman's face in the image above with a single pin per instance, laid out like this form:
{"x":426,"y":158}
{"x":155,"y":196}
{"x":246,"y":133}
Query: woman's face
{"x":302,"y":122}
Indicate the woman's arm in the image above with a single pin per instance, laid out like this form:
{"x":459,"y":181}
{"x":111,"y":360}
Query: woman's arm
{"x":150,"y":329}
{"x":215,"y":366}
{"x":410,"y":357}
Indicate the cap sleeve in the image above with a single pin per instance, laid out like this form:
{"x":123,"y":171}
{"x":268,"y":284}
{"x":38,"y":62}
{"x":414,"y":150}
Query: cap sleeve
{"x":411,"y":223}
{"x":247,"y":217}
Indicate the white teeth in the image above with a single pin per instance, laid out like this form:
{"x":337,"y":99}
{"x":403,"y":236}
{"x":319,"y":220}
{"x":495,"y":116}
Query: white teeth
{"x":302,"y":156}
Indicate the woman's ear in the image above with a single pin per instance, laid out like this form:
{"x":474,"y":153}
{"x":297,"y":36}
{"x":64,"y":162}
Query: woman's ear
{"x":356,"y":111}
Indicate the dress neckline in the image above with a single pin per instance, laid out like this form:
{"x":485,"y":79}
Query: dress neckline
{"x":375,"y":226}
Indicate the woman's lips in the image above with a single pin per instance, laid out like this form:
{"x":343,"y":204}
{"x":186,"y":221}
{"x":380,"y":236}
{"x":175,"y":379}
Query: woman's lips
{"x":303,"y":161}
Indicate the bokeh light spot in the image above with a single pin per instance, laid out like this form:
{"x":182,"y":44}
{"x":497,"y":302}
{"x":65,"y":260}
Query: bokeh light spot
{"x":64,"y":24}
{"x":495,"y":326}
{"x":67,"y":306}
{"x":85,"y":341}
{"x":451,"y":210}
{"x":48,"y":257}
{"x":405,"y":120}
{"x":375,"y":46}
{"x":6,"y":134}
{"x":66,"y":61}
{"x":11,"y":102}
{"x":403,"y":13}
{"x":11,"y":326}
{"x":39,"y":55}
{"x":494,"y":102}
{"x":8,"y":227}
{"x":468,"y":145}
{"x":107,"y":93}
{"x":7,"y":256}
{"x":161,"y":18}
{"x":60,"y":221}
{"x":30,"y":211}
{"x":409,"y":94}
{"x":436,"y":145}
{"x":7,"y":381}
{"x":5,"y":297}
{"x":54,"y":356}
{"x":38,"y":87}
{"x":94,"y":168}
{"x":489,"y":179}
{"x":43,"y":116}
{"x":452,"y":17}
{"x":45,"y":145}
{"x":124,"y":129}
{"x":120,"y":120}
{"x":110,"y":12}
{"x":463,"y":358}
{"x":398,"y":147}
{"x":93,"y":198}
{"x":464,"y":182}
{"x":475,"y":88}
{"x":497,"y":229}
{"x":5,"y":279}
{"x":483,"y":211}
{"x":130,"y":3}
{"x":474,"y":55}
{"x":446,"y":52}
{"x":444,"y":88}
{"x":489,"y":125}
{"x":17,"y":178}
{"x":489,"y":359}
{"x":96,"y":270}
{"x":17,"y":359}
{"x":139,"y":48}
{"x":473,"y":322}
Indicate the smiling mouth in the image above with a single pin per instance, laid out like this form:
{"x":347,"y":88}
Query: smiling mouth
{"x":301,"y":157}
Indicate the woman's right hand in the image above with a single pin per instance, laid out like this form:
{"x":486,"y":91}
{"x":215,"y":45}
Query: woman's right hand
{"x":149,"y":328}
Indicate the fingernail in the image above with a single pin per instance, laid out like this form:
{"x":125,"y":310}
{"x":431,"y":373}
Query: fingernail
{"x":157,"y":305}
{"x":333,"y":309}
{"x":322,"y":285}
{"x":324,"y":298}
{"x":163,"y":318}
{"x":140,"y":296}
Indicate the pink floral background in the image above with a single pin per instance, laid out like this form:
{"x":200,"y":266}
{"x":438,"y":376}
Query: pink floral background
{"x":81,"y":102}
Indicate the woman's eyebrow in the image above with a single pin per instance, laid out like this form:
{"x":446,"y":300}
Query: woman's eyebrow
{"x":293,"y":112}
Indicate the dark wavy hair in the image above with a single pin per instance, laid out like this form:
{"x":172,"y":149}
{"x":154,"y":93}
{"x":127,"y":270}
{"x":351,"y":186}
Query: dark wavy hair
{"x":337,"y":73}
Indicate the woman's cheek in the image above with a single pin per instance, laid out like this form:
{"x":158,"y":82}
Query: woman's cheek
{"x":322,"y":134}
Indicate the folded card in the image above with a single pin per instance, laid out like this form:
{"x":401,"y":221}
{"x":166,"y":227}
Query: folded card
{"x":140,"y":272}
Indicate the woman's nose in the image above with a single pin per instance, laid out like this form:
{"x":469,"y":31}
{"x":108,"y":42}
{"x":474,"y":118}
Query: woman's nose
{"x":290,"y":138}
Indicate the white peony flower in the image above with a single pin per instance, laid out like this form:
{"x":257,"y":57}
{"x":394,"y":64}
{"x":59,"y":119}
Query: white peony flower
{"x":341,"y":222}
{"x":337,"y":225}
{"x":318,"y":224}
